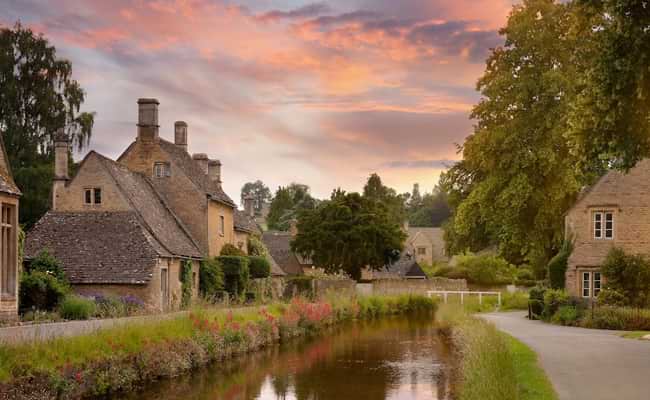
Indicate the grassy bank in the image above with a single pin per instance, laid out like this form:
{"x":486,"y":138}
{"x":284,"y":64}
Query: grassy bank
{"x":492,"y":365}
{"x":121,"y":359}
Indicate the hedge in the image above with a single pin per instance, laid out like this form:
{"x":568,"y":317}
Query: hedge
{"x":236,"y":272}
{"x":259,"y":267}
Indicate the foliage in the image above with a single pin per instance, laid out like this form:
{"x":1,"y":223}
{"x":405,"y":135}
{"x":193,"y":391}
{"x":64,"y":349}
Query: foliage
{"x":611,"y":297}
{"x":236,"y":272}
{"x":525,"y":277}
{"x":486,"y":269}
{"x":617,"y":318}
{"x":75,"y":307}
{"x":376,"y":191}
{"x":45,"y":262}
{"x":116,"y":307}
{"x":558,"y":265}
{"x":41,"y":291}
{"x":553,"y":300}
{"x":211,"y":278}
{"x":259,"y":267}
{"x":258,"y":191}
{"x":566,"y":315}
{"x":301,"y":285}
{"x":287,"y":203}
{"x":231,"y":250}
{"x":517,"y":177}
{"x":347,"y":233}
{"x":536,"y":301}
{"x":629,"y":275}
{"x":187,"y":283}
{"x":33,"y":106}
{"x":432,"y":209}
{"x":257,"y":248}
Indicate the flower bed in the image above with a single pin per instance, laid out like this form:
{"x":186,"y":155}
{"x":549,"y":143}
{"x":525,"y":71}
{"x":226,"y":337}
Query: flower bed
{"x":121,"y":359}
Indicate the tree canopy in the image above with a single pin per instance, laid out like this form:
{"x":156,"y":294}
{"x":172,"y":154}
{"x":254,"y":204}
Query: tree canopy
{"x":286,"y":204}
{"x":38,"y":97}
{"x":375,"y":190}
{"x":257,"y":190}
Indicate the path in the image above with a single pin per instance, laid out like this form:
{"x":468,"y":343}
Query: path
{"x":584,"y":363}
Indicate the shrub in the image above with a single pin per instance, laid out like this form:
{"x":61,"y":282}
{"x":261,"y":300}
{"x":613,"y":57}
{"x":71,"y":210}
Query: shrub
{"x":514,"y":301}
{"x":47,"y":263}
{"x":611,"y":297}
{"x":629,"y":275}
{"x":617,"y":318}
{"x":76,"y":307}
{"x":443,"y":271}
{"x":257,"y":248}
{"x":236,"y":272}
{"x":525,"y":277}
{"x":186,"y":283}
{"x":41,"y":291}
{"x":558,"y":265}
{"x":259,"y":267}
{"x":458,"y":273}
{"x":553,"y":300}
{"x":231,"y":250}
{"x":566,"y":315}
{"x":536,"y":296}
{"x":487,"y":269}
{"x":211,"y":278}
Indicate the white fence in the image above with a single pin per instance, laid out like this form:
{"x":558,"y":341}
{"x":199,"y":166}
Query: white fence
{"x":445,"y":294}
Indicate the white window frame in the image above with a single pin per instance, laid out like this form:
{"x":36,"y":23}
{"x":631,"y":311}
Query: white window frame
{"x":593,"y":281}
{"x":585,"y":277}
{"x":596,"y":289}
{"x":603,"y":225}
{"x":162,"y":169}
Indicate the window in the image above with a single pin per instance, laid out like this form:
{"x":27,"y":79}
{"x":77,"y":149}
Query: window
{"x":8,"y":250}
{"x":422,"y":250}
{"x":161,"y":170}
{"x":591,"y":284}
{"x":603,"y":225}
{"x":222,"y":225}
{"x":93,"y":196}
{"x":596,"y":284}
{"x":586,"y":284}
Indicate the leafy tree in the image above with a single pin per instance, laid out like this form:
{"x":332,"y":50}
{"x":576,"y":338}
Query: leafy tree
{"x":629,"y":275}
{"x":558,"y":265}
{"x":347,"y":233}
{"x":286,"y":204}
{"x":211,"y":278}
{"x":38,"y":97}
{"x":257,"y":190}
{"x":231,"y":250}
{"x":375,"y":190}
{"x":257,"y":248}
{"x":517,"y":177}
{"x":432,"y":210}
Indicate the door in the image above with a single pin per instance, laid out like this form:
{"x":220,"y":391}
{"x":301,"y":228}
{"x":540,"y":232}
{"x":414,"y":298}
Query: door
{"x":164,"y":288}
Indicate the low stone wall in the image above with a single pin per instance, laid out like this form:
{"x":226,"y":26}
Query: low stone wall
{"x":268,"y":289}
{"x":342,"y":287}
{"x":411,"y":286}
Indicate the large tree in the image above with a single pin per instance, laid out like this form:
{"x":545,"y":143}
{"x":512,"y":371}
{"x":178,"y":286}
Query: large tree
{"x":37,"y":97}
{"x":287,"y":202}
{"x":518,"y":177}
{"x":347,"y":233}
{"x":395,"y":204}
{"x":431,"y":210}
{"x":257,"y":190}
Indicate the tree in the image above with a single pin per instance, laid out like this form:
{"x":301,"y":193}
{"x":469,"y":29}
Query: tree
{"x":431,"y":210}
{"x":629,"y":276}
{"x":376,"y":191}
{"x":286,"y":204}
{"x":415,"y":199}
{"x":37,"y":97}
{"x":347,"y":233}
{"x":257,"y":190}
{"x":518,"y":176}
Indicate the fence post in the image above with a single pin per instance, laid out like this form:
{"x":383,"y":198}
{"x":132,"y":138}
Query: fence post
{"x":480,"y":298}
{"x":499,"y":299}
{"x":461,"y":298}
{"x":445,"y":297}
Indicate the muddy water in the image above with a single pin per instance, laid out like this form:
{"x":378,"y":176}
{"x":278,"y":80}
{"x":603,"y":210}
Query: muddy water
{"x":397,"y":359}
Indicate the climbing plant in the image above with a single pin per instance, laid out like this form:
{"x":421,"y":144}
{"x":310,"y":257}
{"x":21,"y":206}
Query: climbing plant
{"x":186,"y":283}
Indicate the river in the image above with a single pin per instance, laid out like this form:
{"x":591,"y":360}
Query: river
{"x":393,"y":358}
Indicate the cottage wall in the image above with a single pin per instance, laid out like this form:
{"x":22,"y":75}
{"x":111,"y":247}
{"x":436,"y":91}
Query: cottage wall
{"x":9,"y":302}
{"x":216,"y":239}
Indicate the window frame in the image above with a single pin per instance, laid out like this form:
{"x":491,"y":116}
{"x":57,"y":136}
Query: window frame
{"x":162,"y":169}
{"x":422,"y":251}
{"x":8,"y":250}
{"x":595,"y":291}
{"x":586,"y":287}
{"x":222,"y":225}
{"x":602,"y":225}
{"x":91,"y":193}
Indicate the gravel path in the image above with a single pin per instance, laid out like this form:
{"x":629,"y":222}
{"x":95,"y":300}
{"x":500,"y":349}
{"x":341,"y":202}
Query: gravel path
{"x":584,"y":363}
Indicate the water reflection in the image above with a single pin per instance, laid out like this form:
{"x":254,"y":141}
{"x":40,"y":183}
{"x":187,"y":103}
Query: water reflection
{"x":396,"y":359}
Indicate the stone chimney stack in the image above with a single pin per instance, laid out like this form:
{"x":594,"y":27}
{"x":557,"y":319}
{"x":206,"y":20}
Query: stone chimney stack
{"x":202,"y":160}
{"x":180,"y":134}
{"x":61,"y":156}
{"x":148,"y":120}
{"x":249,"y":205}
{"x":214,"y":171}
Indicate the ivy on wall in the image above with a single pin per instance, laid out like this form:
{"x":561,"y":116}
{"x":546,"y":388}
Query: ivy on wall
{"x":186,"y":283}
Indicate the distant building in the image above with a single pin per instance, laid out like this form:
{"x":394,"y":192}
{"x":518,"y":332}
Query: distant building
{"x":244,"y":227}
{"x":427,"y":245}
{"x":279,"y":246}
{"x":9,"y":268}
{"x":407,"y":267}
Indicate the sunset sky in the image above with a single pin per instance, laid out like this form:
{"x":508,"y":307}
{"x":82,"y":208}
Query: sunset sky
{"x":321,"y":93}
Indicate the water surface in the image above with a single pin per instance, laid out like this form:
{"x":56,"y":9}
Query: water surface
{"x":396,"y":359}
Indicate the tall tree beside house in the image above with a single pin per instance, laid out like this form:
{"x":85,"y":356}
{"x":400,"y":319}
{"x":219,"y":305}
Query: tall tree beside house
{"x":347,"y":233}
{"x":518,"y":173}
{"x":287,"y":203}
{"x":257,"y":190}
{"x":431,"y":210}
{"x":37,"y":97}
{"x":395,"y":204}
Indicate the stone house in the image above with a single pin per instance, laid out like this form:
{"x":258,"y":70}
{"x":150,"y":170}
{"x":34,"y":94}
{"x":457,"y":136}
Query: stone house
{"x":244,"y":227}
{"x":426,"y":244}
{"x":407,"y":267}
{"x":9,"y":265}
{"x":279,"y":246}
{"x":615,"y":211}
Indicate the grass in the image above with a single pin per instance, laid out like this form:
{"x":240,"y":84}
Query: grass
{"x":635,"y":334}
{"x":509,"y":302}
{"x":492,"y":365}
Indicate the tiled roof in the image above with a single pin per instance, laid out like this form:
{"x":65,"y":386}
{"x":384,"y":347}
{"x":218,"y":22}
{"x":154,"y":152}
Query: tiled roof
{"x":183,"y":160}
{"x":405,"y":267}
{"x":245,"y":223}
{"x":279,"y":245}
{"x":97,"y":247}
{"x":7,"y":184}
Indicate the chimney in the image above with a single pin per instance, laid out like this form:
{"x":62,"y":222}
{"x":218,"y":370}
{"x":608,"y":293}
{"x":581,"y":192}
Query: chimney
{"x":180,"y":134}
{"x":214,"y":171}
{"x":61,"y":155}
{"x":202,"y":160}
{"x":148,"y":120}
{"x":249,"y":205}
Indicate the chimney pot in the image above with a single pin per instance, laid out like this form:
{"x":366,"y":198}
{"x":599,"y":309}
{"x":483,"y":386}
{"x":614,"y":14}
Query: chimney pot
{"x":202,"y":160}
{"x":180,"y":134}
{"x":214,"y":171}
{"x":249,"y":205}
{"x":61,"y":156}
{"x":148,"y":120}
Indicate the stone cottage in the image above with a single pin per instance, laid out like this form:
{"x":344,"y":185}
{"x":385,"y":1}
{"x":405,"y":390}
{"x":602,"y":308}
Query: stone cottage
{"x":9,"y":268}
{"x":615,"y":211}
{"x":245,"y":227}
{"x":426,"y":244}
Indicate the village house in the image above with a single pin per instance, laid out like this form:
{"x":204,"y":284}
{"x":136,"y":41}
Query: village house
{"x":615,"y":211}
{"x":9,"y":265}
{"x":426,"y":244}
{"x":245,"y":227}
{"x":127,"y":227}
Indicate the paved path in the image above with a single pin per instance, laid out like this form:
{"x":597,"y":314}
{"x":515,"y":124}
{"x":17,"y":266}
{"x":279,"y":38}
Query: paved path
{"x":584,"y":363}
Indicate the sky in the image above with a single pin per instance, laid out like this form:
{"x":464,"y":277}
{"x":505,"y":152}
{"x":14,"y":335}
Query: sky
{"x":321,"y":93}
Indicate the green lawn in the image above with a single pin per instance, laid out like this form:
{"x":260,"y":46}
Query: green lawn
{"x":532,"y":382}
{"x":635,"y":334}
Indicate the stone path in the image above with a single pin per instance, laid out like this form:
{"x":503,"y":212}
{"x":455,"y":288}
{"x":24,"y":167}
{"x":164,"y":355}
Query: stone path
{"x":584,"y":364}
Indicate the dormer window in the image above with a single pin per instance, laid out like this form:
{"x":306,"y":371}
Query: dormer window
{"x":161,"y":170}
{"x":93,"y":196}
{"x":603,"y":225}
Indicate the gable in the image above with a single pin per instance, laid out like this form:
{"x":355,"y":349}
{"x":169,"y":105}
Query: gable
{"x":7,"y":184}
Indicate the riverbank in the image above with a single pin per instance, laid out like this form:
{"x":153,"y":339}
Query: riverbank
{"x":123,"y":358}
{"x":490,"y":365}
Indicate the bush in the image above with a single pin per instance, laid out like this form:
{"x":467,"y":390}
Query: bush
{"x":259,"y":267}
{"x":236,"y":272}
{"x":443,"y":271}
{"x":47,"y":263}
{"x":525,"y":277}
{"x":617,"y":318}
{"x":536,"y":301}
{"x":298,"y":286}
{"x":611,"y":297}
{"x":256,"y":247}
{"x":231,"y":250}
{"x":558,"y":265}
{"x":77,"y":307}
{"x":487,"y":269}
{"x":566,"y":315}
{"x":553,"y":300}
{"x":629,"y":275}
{"x":211,"y":278}
{"x":41,"y":291}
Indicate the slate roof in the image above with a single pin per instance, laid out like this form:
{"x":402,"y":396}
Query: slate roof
{"x":279,"y":246}
{"x":405,"y":267}
{"x":127,"y":243}
{"x":7,"y":184}
{"x":244,"y":223}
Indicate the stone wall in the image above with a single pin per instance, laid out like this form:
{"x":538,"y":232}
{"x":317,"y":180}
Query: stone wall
{"x":416,"y":286}
{"x":268,"y":289}
{"x":216,"y":239}
{"x":342,"y":287}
